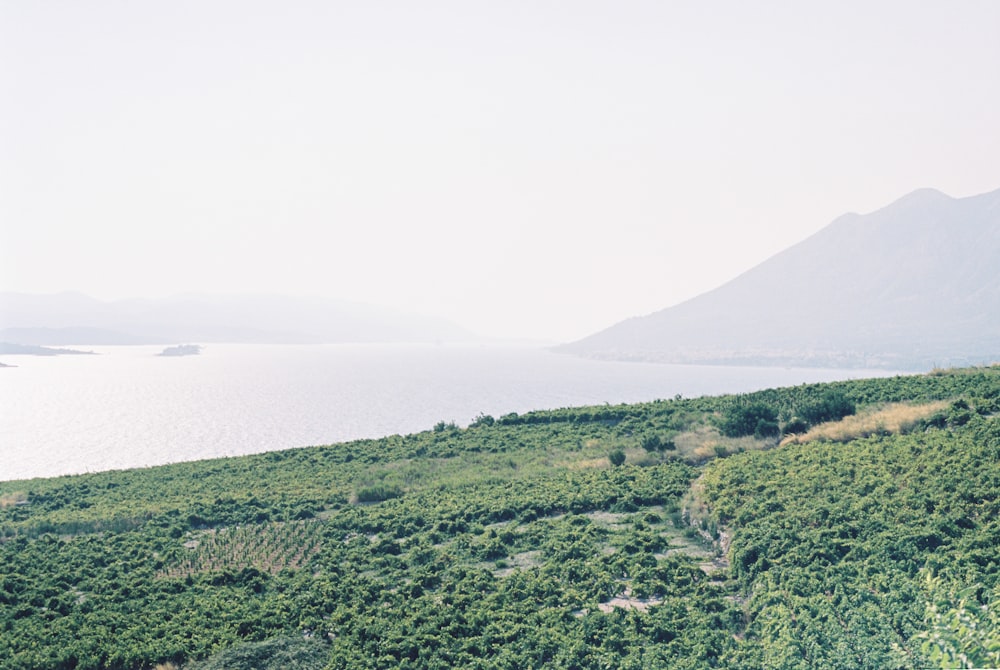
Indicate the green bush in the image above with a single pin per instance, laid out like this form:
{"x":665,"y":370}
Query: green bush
{"x":796,"y":426}
{"x":832,"y":406}
{"x":651,"y":442}
{"x":377,"y":493}
{"x":740,"y":420}
{"x":766,"y":429}
{"x":962,"y":632}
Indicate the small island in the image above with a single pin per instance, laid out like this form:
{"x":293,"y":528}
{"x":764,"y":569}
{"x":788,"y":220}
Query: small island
{"x":181,"y":350}
{"x":9,"y":348}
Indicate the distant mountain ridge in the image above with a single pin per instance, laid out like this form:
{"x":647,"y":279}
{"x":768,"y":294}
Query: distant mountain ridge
{"x":910,"y":286}
{"x":74,"y":318}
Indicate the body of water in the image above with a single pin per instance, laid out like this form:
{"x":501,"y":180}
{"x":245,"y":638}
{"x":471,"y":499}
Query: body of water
{"x":127,"y":407}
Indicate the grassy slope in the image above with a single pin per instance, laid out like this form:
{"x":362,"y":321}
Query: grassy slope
{"x":516,"y":545}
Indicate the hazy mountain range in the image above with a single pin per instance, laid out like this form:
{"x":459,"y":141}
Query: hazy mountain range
{"x":913,"y":285}
{"x":910,"y":286}
{"x":74,"y":318}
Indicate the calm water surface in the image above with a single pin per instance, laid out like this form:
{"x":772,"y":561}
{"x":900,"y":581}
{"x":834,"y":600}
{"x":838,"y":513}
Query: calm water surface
{"x":128,"y":407}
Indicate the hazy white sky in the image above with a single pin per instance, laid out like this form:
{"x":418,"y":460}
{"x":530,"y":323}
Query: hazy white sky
{"x":535,"y":168}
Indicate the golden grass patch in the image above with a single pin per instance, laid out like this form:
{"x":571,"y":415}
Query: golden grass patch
{"x":13,"y":498}
{"x":589,"y":463}
{"x":887,"y":419}
{"x":705,"y":443}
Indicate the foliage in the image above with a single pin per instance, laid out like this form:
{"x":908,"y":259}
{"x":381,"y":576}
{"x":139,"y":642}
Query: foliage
{"x":513,"y":544}
{"x":651,"y":442}
{"x":285,"y":653}
{"x":828,"y":539}
{"x":377,"y":493}
{"x":616,"y":457}
{"x":796,"y":426}
{"x":482,"y":420}
{"x":831,"y":406}
{"x":880,"y":420}
{"x":962,"y":632}
{"x":655,"y":443}
{"x":746,"y":419}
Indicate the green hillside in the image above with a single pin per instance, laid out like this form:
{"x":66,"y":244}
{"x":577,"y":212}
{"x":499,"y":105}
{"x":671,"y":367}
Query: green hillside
{"x":516,"y":543}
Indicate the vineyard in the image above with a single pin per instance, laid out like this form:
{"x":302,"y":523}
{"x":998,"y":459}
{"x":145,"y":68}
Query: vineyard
{"x":845,"y":525}
{"x":269,"y":547}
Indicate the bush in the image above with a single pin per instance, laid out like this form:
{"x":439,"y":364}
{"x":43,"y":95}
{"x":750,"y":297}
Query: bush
{"x":377,"y":493}
{"x":740,"y":420}
{"x":766,"y":429}
{"x":833,"y":406}
{"x":482,"y":420}
{"x":617,"y":457}
{"x":796,"y":426}
{"x":651,"y":443}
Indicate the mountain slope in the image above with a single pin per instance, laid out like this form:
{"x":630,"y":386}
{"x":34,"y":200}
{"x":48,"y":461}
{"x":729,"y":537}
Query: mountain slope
{"x":64,"y":318}
{"x":914,"y":284}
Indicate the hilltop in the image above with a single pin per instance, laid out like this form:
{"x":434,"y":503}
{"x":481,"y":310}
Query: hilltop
{"x":841,"y":525}
{"x":910,"y":286}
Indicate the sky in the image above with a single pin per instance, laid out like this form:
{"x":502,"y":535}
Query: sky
{"x":534,"y":169}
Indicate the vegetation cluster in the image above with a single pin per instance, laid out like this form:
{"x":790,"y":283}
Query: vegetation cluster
{"x":669,"y":534}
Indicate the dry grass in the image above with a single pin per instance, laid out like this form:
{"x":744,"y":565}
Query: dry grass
{"x":698,"y":444}
{"x":888,"y":419}
{"x":13,"y":498}
{"x":705,"y":443}
{"x":693,"y":505}
{"x":633,"y":456}
{"x":589,"y":463}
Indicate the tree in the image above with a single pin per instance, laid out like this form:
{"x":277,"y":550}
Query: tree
{"x":482,"y":420}
{"x":651,"y":442}
{"x":833,"y":406}
{"x":617,"y":457}
{"x":743,"y":419}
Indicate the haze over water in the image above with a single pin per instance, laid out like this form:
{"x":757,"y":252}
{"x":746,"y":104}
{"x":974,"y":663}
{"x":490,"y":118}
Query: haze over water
{"x":128,"y":407}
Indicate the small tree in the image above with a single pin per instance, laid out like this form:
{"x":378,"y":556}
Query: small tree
{"x":743,"y":419}
{"x":617,"y":457}
{"x":796,"y":426}
{"x":482,"y":420}
{"x":766,"y":429}
{"x":651,"y":442}
{"x":833,"y":406}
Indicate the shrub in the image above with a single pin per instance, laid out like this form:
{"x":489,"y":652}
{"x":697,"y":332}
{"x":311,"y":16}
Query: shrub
{"x":796,"y":426}
{"x":740,"y":420}
{"x":377,"y":493}
{"x":651,"y":442}
{"x":617,"y":457}
{"x":766,"y":429}
{"x":833,"y":406}
{"x":482,"y":420}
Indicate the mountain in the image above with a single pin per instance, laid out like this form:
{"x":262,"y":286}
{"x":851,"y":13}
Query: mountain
{"x":74,"y":318}
{"x":910,"y":286}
